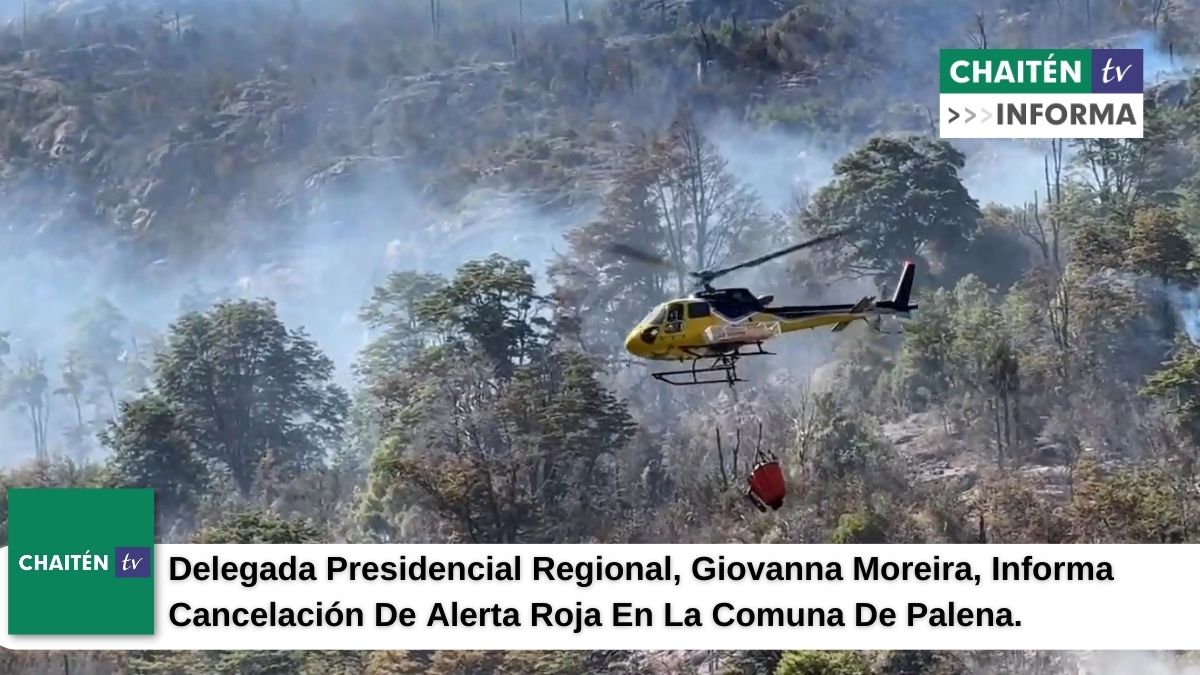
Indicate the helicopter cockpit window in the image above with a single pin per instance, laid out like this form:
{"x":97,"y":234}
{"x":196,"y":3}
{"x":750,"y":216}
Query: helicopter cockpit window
{"x":674,"y":317}
{"x":698,"y":310}
{"x":655,"y":317}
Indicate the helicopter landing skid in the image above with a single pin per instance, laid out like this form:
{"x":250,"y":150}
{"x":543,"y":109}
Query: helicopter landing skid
{"x":723,"y":369}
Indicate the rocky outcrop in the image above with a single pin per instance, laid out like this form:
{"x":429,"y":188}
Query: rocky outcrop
{"x":1173,"y":94}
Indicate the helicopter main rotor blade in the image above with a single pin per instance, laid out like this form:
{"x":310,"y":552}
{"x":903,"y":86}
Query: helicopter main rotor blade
{"x":709,"y":276}
{"x":628,"y":251}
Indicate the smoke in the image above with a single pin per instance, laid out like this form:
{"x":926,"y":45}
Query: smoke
{"x":1187,"y":303}
{"x":323,"y":267}
{"x":333,"y":267}
{"x":1142,"y":663}
{"x":1080,"y":663}
{"x":1158,"y":65}
{"x":319,"y":278}
{"x":786,"y":168}
{"x":778,"y":166}
{"x":343,"y":224}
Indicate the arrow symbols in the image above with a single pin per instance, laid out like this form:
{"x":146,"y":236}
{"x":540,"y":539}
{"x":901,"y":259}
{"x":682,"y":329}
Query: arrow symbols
{"x":984,"y":115}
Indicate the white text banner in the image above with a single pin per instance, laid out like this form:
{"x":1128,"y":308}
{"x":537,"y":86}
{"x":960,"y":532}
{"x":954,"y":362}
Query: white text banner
{"x":537,"y":597}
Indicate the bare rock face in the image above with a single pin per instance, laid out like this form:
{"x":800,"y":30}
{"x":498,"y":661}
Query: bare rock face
{"x":258,"y":119}
{"x":208,"y":156}
{"x":455,"y":96}
{"x":57,"y":135}
{"x":80,"y":63}
{"x":331,"y":190}
{"x":933,"y":453}
{"x":349,"y":173}
{"x":1175,"y":94}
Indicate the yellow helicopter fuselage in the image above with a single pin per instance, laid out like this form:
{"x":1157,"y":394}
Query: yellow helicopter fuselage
{"x":691,"y":328}
{"x":717,"y":322}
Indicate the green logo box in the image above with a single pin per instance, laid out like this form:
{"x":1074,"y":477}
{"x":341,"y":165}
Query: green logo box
{"x":80,"y":561}
{"x":1016,"y":71}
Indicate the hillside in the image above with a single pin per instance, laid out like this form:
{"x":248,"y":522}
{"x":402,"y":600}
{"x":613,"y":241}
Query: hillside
{"x":379,"y":236}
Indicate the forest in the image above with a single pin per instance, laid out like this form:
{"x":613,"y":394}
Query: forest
{"x":343,"y":272}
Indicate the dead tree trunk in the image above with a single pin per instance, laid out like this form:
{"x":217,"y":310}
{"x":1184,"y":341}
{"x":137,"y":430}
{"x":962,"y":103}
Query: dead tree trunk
{"x":721,"y":462}
{"x":979,"y":34}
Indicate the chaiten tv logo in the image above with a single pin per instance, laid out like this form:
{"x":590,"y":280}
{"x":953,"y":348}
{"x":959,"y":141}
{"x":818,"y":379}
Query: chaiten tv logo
{"x":80,"y":561}
{"x":1041,"y":93}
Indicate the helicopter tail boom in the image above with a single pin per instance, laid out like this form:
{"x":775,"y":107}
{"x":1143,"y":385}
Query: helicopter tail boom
{"x":862,"y":306}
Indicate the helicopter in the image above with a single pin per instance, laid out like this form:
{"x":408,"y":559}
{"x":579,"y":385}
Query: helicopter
{"x":718,"y":326}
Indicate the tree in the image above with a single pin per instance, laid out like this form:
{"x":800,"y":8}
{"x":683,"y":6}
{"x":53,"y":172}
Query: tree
{"x":984,"y":367}
{"x":1177,"y":384}
{"x":493,"y":423}
{"x":603,"y":294}
{"x":460,"y":662}
{"x":490,"y":305}
{"x":1014,"y":513}
{"x":703,"y":211}
{"x":74,"y":382}
{"x":960,"y":355}
{"x":823,"y":663}
{"x":1050,"y":284}
{"x":924,"y":663}
{"x":902,"y":198}
{"x":151,"y":448}
{"x":923,"y":366}
{"x":28,"y":389}
{"x":1158,"y":248}
{"x":674,"y":198}
{"x":1124,"y":174}
{"x":1159,"y":11}
{"x":96,"y":347}
{"x":501,"y":460}
{"x":863,"y":526}
{"x":394,"y":310}
{"x":245,"y":386}
{"x":996,"y":254}
{"x":1176,"y":387}
{"x":1043,"y":222}
{"x":1095,"y":247}
{"x":1128,"y":506}
{"x":259,"y":527}
{"x":837,"y":445}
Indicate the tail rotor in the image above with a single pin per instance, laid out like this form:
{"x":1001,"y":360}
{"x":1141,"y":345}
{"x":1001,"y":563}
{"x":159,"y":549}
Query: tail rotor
{"x":900,"y":305}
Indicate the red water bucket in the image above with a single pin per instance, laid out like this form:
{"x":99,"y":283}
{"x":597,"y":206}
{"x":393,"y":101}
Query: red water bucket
{"x":767,"y":484}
